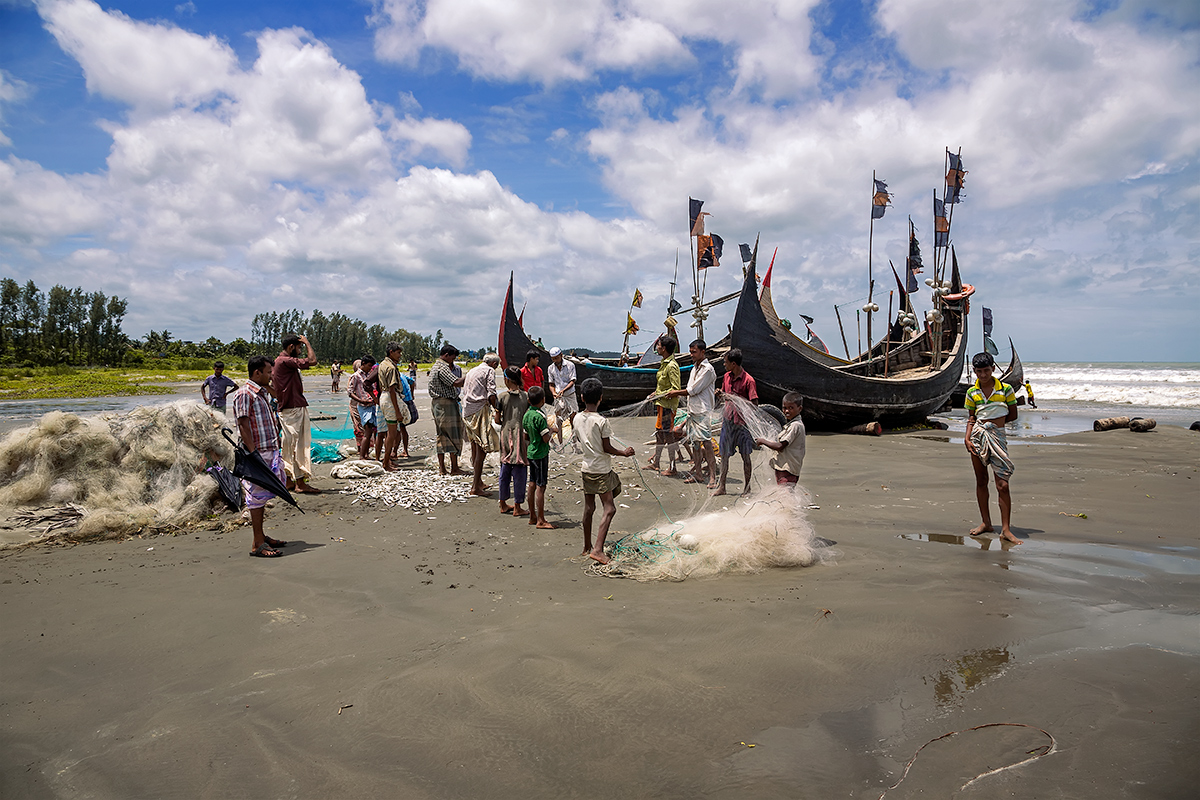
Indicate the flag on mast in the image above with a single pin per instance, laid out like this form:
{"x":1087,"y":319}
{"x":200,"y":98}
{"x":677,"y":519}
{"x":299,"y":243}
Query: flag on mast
{"x":708,"y":251}
{"x":631,"y":327}
{"x":941,"y":225}
{"x":880,"y":201}
{"x":696,"y":217}
{"x":955,"y":177}
{"x":637,"y":298}
{"x":914,"y":249}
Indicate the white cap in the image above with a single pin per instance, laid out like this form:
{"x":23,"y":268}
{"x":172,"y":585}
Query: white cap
{"x":555,"y":352}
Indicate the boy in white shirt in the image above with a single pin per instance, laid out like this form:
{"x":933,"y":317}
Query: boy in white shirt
{"x":789,"y":450}
{"x":594,"y":432}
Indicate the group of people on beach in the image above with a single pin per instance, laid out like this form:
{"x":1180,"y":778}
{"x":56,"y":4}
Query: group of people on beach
{"x":536,"y":407}
{"x":693,"y":425}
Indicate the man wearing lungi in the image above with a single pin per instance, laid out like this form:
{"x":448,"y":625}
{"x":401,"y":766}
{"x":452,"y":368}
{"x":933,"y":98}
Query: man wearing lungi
{"x":990,"y":406}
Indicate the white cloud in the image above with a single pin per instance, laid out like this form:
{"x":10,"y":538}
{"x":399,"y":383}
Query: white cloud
{"x":151,"y":67}
{"x":551,"y":41}
{"x":443,"y":139}
{"x":11,"y":90}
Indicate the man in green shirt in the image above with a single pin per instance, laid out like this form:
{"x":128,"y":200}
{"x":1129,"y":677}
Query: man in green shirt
{"x":665,"y":403}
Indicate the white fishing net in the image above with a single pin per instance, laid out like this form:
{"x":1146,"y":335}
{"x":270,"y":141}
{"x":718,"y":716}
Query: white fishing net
{"x":767,"y":527}
{"x":143,"y":470}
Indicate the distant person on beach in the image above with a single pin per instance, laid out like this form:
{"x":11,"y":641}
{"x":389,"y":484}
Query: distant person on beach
{"x":594,"y":434}
{"x":335,"y":375}
{"x":364,"y":407}
{"x":217,"y":387}
{"x":990,"y":406}
{"x":735,"y":436}
{"x":514,"y":460}
{"x":412,"y":370}
{"x":259,"y":435}
{"x":391,"y":404}
{"x":1029,"y":394}
{"x":789,"y":448}
{"x":538,"y":432}
{"x":408,"y":385}
{"x":666,"y":400}
{"x":293,"y":411}
{"x":561,"y":374}
{"x":444,"y":381}
{"x":698,"y":427}
{"x":479,"y":401}
{"x":531,"y":373}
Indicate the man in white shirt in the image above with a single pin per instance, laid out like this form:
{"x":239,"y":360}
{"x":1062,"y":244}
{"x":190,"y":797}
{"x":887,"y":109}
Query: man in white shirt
{"x":479,"y":399}
{"x":700,"y":394}
{"x":561,"y":377}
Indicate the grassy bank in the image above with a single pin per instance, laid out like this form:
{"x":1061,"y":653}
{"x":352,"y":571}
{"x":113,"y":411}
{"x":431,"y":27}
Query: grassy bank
{"x":42,"y":383}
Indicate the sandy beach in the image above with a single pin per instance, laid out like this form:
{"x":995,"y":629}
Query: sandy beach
{"x":469,"y":655}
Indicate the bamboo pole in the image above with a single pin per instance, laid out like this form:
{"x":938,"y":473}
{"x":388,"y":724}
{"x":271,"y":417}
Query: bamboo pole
{"x":887,"y":347}
{"x":870,"y":272}
{"x":842,"y":329}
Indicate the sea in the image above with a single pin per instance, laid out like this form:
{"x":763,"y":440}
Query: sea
{"x":1069,"y":397}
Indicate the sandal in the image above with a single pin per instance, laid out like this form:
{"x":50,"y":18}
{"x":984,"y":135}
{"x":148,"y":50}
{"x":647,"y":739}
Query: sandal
{"x":265,"y":552}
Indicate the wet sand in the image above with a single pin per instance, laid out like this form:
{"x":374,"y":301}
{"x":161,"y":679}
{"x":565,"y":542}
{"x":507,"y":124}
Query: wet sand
{"x":470,"y":656}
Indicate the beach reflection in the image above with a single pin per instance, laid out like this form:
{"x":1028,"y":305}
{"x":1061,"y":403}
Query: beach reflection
{"x":966,"y":672}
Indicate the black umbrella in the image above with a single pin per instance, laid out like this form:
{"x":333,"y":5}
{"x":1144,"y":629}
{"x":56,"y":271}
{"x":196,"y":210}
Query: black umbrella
{"x":228,"y":485}
{"x":250,"y":467}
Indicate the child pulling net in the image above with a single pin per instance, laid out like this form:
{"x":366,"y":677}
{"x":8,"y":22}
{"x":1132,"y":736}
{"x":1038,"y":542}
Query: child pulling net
{"x":140,"y":470}
{"x":768,"y":528}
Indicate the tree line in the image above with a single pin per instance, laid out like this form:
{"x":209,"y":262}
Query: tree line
{"x":74,"y":327}
{"x":62,"y":326}
{"x":336,"y":337}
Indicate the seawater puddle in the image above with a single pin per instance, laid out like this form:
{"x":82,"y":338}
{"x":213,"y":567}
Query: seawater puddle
{"x":1080,"y":558}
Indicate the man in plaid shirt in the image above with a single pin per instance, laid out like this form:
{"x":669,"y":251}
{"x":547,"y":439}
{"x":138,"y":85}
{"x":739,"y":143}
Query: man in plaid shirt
{"x":259,"y":435}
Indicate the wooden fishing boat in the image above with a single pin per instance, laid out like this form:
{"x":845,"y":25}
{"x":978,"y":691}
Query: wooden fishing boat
{"x":623,"y":385}
{"x":897,"y":385}
{"x":1013,"y":375}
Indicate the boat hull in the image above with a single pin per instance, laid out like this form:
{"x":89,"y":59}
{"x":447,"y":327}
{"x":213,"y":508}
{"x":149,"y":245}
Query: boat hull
{"x":835,"y":397}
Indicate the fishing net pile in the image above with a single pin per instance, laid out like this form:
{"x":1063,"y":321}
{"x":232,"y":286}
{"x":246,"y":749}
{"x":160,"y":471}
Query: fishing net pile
{"x":143,"y":470}
{"x":767,"y":528}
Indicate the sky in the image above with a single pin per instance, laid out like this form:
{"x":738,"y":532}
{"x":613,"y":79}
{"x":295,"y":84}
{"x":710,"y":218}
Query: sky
{"x":395,"y":160}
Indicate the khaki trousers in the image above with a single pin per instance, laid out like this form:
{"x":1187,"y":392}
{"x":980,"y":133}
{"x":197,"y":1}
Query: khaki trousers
{"x":296,"y":434}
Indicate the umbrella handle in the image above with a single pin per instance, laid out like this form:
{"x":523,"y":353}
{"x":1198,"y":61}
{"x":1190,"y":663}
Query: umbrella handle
{"x":228,"y":438}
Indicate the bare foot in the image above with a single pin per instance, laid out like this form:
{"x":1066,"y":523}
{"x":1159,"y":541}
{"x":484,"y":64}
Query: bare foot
{"x":545,"y":525}
{"x":587,"y":550}
{"x":532,"y":519}
{"x":712,"y":486}
{"x":480,"y":492}
{"x":404,"y":454}
{"x":504,"y":509}
{"x":670,"y":473}
{"x":520,"y":512}
{"x":650,"y":465}
{"x":981,"y":528}
{"x":599,"y":557}
{"x":720,"y":490}
{"x":459,"y":472}
{"x":1008,"y":536}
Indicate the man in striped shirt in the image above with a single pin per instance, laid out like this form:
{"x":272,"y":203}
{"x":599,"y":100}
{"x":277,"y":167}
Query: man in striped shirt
{"x":259,"y":435}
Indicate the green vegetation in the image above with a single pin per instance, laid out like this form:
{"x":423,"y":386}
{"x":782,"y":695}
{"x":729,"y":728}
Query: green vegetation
{"x":62,"y":381}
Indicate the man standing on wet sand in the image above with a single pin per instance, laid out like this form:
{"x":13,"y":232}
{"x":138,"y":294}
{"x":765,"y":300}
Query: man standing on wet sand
{"x":561,"y":374}
{"x":390,"y":402}
{"x":990,"y":405}
{"x":293,"y":411}
{"x":216,"y":388}
{"x":735,"y":436}
{"x":257,"y":428}
{"x":479,"y":401}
